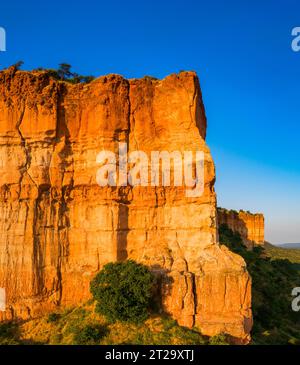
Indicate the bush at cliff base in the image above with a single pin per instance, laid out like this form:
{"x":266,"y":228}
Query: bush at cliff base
{"x":123,"y":291}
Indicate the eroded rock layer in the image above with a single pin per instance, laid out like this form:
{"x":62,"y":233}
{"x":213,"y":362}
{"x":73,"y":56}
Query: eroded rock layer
{"x":250,"y":226}
{"x":59,"y":227}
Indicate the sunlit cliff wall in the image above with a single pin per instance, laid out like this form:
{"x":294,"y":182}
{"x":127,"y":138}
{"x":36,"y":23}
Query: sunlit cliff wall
{"x":58,"y":227}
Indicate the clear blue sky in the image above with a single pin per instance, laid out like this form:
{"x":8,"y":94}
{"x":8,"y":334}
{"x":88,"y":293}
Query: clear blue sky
{"x":242,"y":53}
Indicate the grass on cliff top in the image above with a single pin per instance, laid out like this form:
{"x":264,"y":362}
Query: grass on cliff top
{"x":83,"y":326}
{"x":275,"y":272}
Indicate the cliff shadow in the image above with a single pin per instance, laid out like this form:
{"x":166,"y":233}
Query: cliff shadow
{"x":232,"y":220}
{"x":162,"y":288}
{"x":122,"y":231}
{"x":122,"y":136}
{"x":66,"y":158}
{"x":244,"y":232}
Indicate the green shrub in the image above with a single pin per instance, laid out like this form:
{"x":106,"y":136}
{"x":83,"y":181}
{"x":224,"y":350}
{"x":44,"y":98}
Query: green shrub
{"x":64,"y":73}
{"x":6,"y":329}
{"x":220,"y":339}
{"x":53,"y":317}
{"x":89,"y":335}
{"x":123,"y":291}
{"x":9,"y":334}
{"x":168,"y":323}
{"x":188,"y":336}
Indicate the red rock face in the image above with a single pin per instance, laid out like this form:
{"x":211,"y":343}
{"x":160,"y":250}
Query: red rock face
{"x":249,"y":226}
{"x":59,"y":227}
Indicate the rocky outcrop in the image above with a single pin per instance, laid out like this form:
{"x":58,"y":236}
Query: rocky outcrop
{"x":59,"y":227}
{"x":249,"y":226}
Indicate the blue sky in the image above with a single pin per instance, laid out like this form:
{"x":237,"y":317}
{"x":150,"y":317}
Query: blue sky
{"x":249,"y":75}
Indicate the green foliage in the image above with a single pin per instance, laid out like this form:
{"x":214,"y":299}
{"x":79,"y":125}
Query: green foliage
{"x":9,"y":334}
{"x":272,"y":282}
{"x":293,"y":255}
{"x":53,"y":317}
{"x":231,"y":239}
{"x":123,"y":291}
{"x":162,"y":331}
{"x":168,"y":323}
{"x":77,"y":327}
{"x":82,"y":326}
{"x":74,"y":319}
{"x":220,"y":339}
{"x":18,"y":65}
{"x":76,"y":79}
{"x":188,"y":336}
{"x":6,"y":329}
{"x":91,"y":334}
{"x":64,"y":73}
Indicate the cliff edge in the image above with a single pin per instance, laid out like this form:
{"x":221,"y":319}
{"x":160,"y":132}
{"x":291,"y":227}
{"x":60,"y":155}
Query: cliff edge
{"x":250,"y":226}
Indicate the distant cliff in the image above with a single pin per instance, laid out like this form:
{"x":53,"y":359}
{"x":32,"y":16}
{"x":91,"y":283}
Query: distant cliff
{"x":58,"y":227}
{"x":250,"y":226}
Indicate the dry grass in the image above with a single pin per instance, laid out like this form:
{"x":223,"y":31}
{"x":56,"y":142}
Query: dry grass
{"x":73,"y":326}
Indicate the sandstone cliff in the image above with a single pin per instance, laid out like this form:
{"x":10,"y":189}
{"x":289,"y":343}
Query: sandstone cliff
{"x":59,"y":227}
{"x":249,"y":226}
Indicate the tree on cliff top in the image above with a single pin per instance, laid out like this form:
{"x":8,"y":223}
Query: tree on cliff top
{"x":64,"y":73}
{"x":18,"y":65}
{"x":123,"y":291}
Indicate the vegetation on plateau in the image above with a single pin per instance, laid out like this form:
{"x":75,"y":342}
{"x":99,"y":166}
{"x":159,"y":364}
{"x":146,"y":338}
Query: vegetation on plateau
{"x":275,"y":272}
{"x":62,"y":73}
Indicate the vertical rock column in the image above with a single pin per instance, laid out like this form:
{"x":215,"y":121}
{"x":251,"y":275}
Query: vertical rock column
{"x":58,"y":227}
